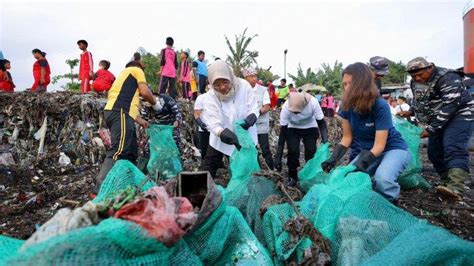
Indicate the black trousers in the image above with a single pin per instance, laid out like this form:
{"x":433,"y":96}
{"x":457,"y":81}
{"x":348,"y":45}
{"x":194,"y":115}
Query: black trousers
{"x":295,"y":135}
{"x":202,"y":84}
{"x":212,"y":161}
{"x":123,"y":135}
{"x":265,"y":147}
{"x":170,"y":84}
{"x":203,"y":144}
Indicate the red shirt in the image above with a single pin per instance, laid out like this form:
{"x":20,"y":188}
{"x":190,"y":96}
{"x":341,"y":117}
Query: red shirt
{"x":86,"y":65}
{"x":103,"y":81}
{"x":6,"y":85}
{"x":41,"y":63}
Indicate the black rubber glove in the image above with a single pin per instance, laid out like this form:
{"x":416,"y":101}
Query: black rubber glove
{"x":365,"y":159}
{"x":228,"y":137}
{"x":201,"y":124}
{"x":323,"y":130}
{"x":337,"y":154}
{"x":249,"y":121}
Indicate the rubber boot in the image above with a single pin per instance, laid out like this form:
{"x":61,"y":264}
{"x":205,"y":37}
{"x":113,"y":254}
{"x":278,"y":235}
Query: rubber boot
{"x":455,"y":187}
{"x":104,"y":170}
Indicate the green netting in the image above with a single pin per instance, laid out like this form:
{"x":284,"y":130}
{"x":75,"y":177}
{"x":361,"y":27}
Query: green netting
{"x":225,"y":238}
{"x":113,"y":241}
{"x":243,"y":163}
{"x":312,"y":173}
{"x":164,"y":154}
{"x":9,"y":247}
{"x":371,"y":231}
{"x":363,"y":227}
{"x":411,"y":177}
{"x":245,"y":191}
{"x":122,"y":175}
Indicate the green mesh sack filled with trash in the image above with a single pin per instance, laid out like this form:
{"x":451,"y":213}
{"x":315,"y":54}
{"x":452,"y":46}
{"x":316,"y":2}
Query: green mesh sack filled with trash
{"x":243,"y":163}
{"x":165,"y":159}
{"x":363,"y":227}
{"x":9,"y":247}
{"x":245,"y":191}
{"x":372,"y":231}
{"x":122,"y":175}
{"x":411,"y":178}
{"x":226,"y":239}
{"x":312,"y":173}
{"x":112,"y":242}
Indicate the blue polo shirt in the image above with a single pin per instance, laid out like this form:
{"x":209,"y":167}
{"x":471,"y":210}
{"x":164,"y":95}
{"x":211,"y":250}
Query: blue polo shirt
{"x":364,"y":127}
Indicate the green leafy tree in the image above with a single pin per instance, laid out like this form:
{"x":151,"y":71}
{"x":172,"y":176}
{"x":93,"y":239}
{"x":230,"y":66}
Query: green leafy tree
{"x":152,"y":68}
{"x":396,"y":75}
{"x":266,"y":75}
{"x":240,"y":56}
{"x":330,"y":77}
{"x":72,"y":76}
{"x":303,"y":77}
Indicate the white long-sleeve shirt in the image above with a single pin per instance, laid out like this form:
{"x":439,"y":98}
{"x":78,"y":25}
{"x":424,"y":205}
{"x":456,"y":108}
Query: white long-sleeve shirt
{"x":306,"y":119}
{"x":223,"y":114}
{"x":200,"y":105}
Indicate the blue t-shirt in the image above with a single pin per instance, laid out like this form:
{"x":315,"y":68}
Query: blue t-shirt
{"x":364,"y":127}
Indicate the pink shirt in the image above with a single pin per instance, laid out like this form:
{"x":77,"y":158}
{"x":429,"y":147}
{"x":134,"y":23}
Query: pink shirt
{"x":185,"y":71}
{"x":331,"y":103}
{"x":324,"y":102}
{"x":170,"y":63}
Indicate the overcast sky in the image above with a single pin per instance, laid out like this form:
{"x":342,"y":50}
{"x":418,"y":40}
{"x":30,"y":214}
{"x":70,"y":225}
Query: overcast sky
{"x":313,"y":31}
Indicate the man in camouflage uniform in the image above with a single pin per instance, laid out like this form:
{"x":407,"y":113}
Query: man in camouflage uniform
{"x":379,"y":66}
{"x":447,"y":109}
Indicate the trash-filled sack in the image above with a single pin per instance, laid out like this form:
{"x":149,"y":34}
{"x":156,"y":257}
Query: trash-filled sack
{"x":312,"y":173}
{"x":122,"y":175}
{"x":245,"y":191}
{"x":411,"y":178}
{"x":363,"y":227}
{"x":165,"y":157}
{"x":224,"y":237}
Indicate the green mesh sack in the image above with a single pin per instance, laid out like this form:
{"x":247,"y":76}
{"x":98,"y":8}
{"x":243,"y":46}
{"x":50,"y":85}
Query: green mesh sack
{"x":225,"y":238}
{"x":245,"y":191}
{"x":411,"y":177}
{"x":372,"y":231}
{"x":112,"y":242}
{"x":243,"y":163}
{"x":122,"y":175}
{"x":321,"y":206}
{"x":312,"y":173}
{"x":165,"y":158}
{"x":9,"y":247}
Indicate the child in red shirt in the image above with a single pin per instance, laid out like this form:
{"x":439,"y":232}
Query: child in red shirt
{"x":6,"y":81}
{"x":41,"y":71}
{"x":85,"y":67}
{"x":103,"y":79}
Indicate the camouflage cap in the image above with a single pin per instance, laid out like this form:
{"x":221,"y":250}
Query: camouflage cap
{"x":417,"y":63}
{"x":379,"y":65}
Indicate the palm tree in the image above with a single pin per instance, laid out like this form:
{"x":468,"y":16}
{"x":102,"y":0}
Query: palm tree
{"x":302,"y":78}
{"x":240,"y":57}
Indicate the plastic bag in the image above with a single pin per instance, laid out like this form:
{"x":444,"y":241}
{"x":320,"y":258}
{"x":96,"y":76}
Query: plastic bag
{"x":167,"y":219}
{"x":164,"y":154}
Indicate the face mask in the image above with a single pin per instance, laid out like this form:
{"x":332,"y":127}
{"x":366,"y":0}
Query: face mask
{"x":226,"y":97}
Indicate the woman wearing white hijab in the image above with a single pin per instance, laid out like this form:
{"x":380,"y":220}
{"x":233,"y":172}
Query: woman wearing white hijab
{"x":230,"y":99}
